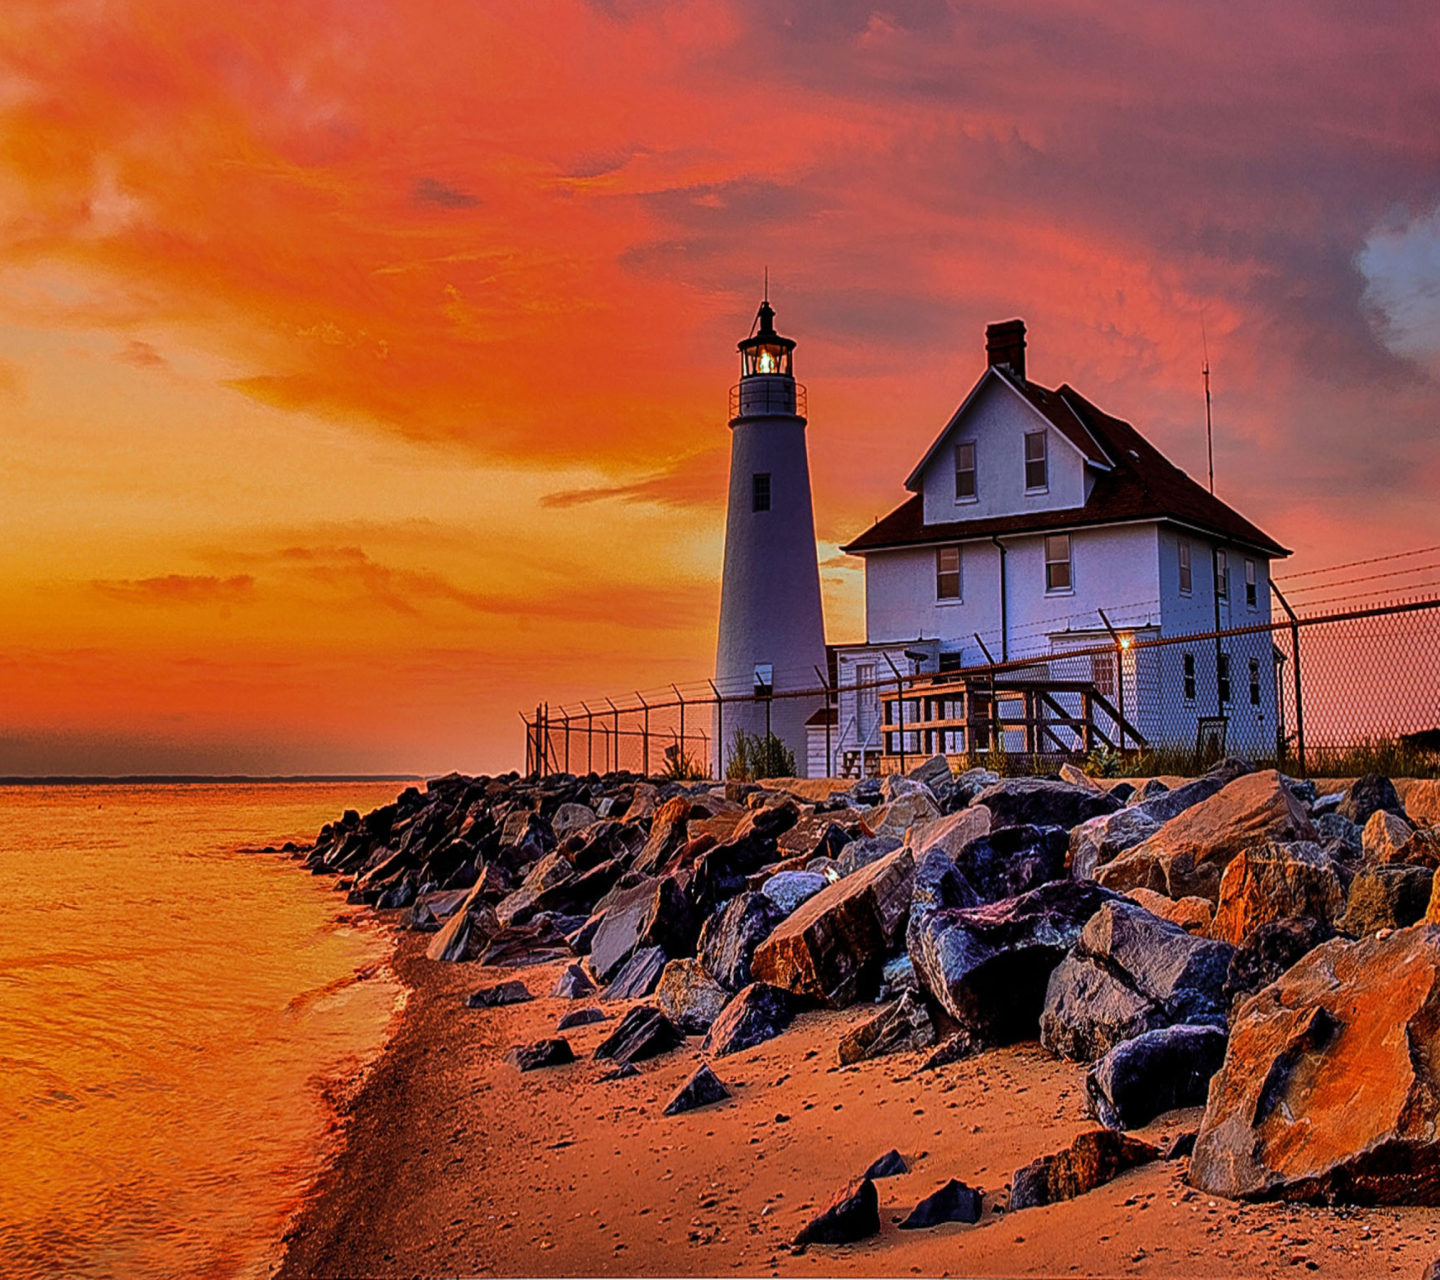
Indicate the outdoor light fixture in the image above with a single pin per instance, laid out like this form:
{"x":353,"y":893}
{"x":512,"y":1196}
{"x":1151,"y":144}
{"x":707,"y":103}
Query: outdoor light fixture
{"x":1126,"y":641}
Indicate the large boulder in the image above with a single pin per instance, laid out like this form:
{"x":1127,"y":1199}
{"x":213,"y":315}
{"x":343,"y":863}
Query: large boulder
{"x":643,"y":1032}
{"x":1100,"y":840}
{"x":988,"y":966}
{"x":1155,"y":1072}
{"x":862,"y":852}
{"x":1269,"y":951}
{"x":1194,"y":915}
{"x":833,"y":948}
{"x":1038,"y":802}
{"x":1369,"y":795}
{"x":756,"y":1014}
{"x":1012,"y":861}
{"x":788,"y":889}
{"x":570,"y":818}
{"x":467,"y":933}
{"x":668,"y":835}
{"x":852,"y":1214}
{"x":638,"y":976}
{"x":950,"y":833}
{"x":670,"y":922}
{"x":1163,"y":804}
{"x":1276,"y":882}
{"x":1130,"y":972}
{"x":728,"y":939}
{"x":1384,"y":836}
{"x":1422,"y":802}
{"x":690,"y":997}
{"x":725,"y":870}
{"x":1330,"y":1090}
{"x":622,"y":922}
{"x":1189,"y":854}
{"x":1386,"y":897}
{"x":896,"y":817}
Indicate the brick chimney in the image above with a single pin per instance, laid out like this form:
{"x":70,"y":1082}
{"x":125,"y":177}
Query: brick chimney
{"x":1005,"y":345}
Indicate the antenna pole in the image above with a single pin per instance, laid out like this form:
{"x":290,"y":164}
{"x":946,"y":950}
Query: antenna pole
{"x":767,"y":284}
{"x":1209,"y":435}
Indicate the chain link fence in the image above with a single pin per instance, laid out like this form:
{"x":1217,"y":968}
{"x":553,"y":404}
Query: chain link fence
{"x":1324,"y":694}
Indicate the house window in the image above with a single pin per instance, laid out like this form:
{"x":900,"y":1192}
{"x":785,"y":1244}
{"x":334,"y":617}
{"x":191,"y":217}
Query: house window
{"x":1251,"y":597}
{"x":1185,"y":579}
{"x":947,"y":573}
{"x":1037,"y":475}
{"x":1188,"y":668}
{"x":1057,"y":562}
{"x":760,"y":491}
{"x":1222,"y":673}
{"x":965,"y":471}
{"x":1254,"y":682}
{"x":1222,"y":575}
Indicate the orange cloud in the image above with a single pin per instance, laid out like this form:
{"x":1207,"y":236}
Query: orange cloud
{"x":178,"y":588}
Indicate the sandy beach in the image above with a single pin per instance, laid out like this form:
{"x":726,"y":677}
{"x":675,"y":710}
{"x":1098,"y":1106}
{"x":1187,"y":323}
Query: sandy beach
{"x":454,"y":1163}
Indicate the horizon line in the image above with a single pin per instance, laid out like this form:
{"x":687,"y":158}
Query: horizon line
{"x":78,"y":779}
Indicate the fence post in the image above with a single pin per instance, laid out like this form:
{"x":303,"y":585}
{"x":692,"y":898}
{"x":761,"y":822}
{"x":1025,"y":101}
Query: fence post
{"x":529,"y":743}
{"x":681,"y":761}
{"x":645,"y":733}
{"x":900,"y":704}
{"x":1295,"y":651}
{"x":719,"y":760}
{"x":567,"y":742}
{"x":589,"y":738}
{"x":616,"y":713}
{"x":973,"y":748}
{"x":1120,"y":675}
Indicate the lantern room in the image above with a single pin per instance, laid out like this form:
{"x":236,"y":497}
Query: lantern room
{"x":765,"y":352}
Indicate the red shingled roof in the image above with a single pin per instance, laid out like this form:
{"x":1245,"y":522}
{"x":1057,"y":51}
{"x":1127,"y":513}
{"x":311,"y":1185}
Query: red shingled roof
{"x":1140,"y":484}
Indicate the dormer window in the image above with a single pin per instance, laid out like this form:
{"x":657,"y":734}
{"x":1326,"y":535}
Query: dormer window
{"x":1037,"y":472}
{"x":965,"y":471}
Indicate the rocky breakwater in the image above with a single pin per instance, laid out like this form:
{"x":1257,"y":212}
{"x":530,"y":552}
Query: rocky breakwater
{"x":1236,"y":942}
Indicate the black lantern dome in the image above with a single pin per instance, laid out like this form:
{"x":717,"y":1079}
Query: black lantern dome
{"x":765,"y":352}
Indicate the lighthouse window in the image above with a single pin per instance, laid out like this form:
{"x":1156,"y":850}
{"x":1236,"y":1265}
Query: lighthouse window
{"x":1037,"y":474}
{"x":947,"y":573}
{"x":760,"y":491}
{"x":965,"y":471}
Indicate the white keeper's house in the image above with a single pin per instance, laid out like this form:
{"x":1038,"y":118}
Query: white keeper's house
{"x":1038,"y":525}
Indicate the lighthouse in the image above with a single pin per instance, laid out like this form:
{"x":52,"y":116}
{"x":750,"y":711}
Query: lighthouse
{"x":772,"y":632}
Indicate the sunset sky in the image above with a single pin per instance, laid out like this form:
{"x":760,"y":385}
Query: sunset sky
{"x":363,"y":365}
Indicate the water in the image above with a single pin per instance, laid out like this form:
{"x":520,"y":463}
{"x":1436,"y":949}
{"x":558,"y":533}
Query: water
{"x":175,"y":1016}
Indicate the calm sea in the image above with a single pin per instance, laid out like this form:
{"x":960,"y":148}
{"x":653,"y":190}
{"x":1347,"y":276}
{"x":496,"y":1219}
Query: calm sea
{"x":175,"y":1016}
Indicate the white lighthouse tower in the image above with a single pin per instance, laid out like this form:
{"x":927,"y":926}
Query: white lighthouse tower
{"x":772,"y":632}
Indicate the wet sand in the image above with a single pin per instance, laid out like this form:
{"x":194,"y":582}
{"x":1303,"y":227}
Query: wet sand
{"x":456,"y":1164}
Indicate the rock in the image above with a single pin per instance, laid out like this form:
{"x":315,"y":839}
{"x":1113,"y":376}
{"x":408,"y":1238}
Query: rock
{"x":1422,"y":802}
{"x":570,"y":818}
{"x":1147,"y":790}
{"x":466,"y":934}
{"x":690,"y":997}
{"x":1096,"y":1157}
{"x":625,"y":1071}
{"x":832,"y":949}
{"x":893,"y":786}
{"x":1100,"y":840}
{"x":954,"y":1202}
{"x":1013,"y":860}
{"x":758,"y":1013}
{"x":1189,"y":854}
{"x":621,"y":925}
{"x":789,"y":889}
{"x":670,"y":922}
{"x":537,"y":942}
{"x":1191,"y":914}
{"x":542,"y":1053}
{"x":988,"y":966}
{"x":1038,"y":802}
{"x":970,"y":784}
{"x":728,"y":940}
{"x":702,"y":1089}
{"x":668,"y":835}
{"x":1130,"y":972}
{"x":501,"y":993}
{"x":1275,"y":882}
{"x":1369,"y":795}
{"x":902,"y":1027}
{"x":552,"y":870}
{"x":581,"y":1018}
{"x":898,"y":975}
{"x":1155,"y":1072}
{"x":950,"y":833}
{"x":862,"y":852}
{"x":1269,"y":951}
{"x":637,"y":977}
{"x":934,"y":773}
{"x":1422,"y":850}
{"x":890,"y":1165}
{"x":965,"y":1043}
{"x":897,"y":816}
{"x":721,"y":873}
{"x":1383,"y":836}
{"x":1330,"y":1090}
{"x":573,"y":984}
{"x":643,"y":1032}
{"x":1386,"y":897}
{"x":1078,"y":778}
{"x":852,"y":1214}
{"x":1331,"y":828}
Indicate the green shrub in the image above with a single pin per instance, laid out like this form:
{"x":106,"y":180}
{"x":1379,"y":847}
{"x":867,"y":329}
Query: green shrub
{"x":752,"y":757}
